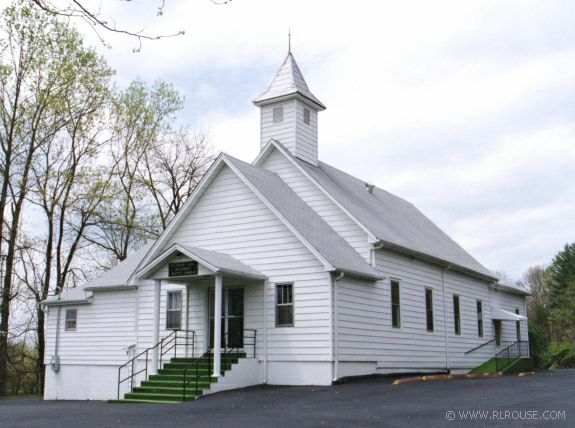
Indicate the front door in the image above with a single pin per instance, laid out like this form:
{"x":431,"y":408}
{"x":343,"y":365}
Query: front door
{"x":232,"y":317}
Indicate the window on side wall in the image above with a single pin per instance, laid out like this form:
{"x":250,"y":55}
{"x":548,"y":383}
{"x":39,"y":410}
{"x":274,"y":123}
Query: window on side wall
{"x":278,"y":114}
{"x":429,"y":308}
{"x":71,"y":319}
{"x":456,"y":315}
{"x":284,"y":305}
{"x":174,"y":310}
{"x":479,"y":318}
{"x":395,"y":305}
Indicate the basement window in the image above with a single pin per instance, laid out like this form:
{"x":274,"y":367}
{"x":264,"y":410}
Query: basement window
{"x":429,"y":308}
{"x":71,"y":319}
{"x":395,"y":305}
{"x":284,"y":305}
{"x":174,"y":310}
{"x":278,"y":114}
{"x":306,"y":116}
{"x":456,"y":315}
{"x":479,"y":318}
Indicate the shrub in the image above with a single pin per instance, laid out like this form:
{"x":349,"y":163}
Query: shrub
{"x":561,"y":356}
{"x":539,"y":342}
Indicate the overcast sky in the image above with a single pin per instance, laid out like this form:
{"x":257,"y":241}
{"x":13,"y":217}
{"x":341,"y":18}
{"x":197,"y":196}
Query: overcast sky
{"x":466,"y":109}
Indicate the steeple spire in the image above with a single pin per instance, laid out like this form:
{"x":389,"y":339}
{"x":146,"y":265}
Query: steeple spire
{"x":289,"y":111}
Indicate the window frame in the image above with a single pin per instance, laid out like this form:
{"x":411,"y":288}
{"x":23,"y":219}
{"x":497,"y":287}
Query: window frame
{"x":429,"y":310}
{"x":306,"y":116}
{"x":67,"y":319}
{"x":457,"y":314}
{"x":288,"y":304}
{"x":278,"y":114}
{"x":480,"y":329}
{"x":395,"y":306}
{"x":172,"y":310}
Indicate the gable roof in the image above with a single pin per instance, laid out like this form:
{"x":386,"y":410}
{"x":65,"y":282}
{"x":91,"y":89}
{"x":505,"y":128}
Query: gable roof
{"x":305,"y":220}
{"x":389,"y":218}
{"x":311,"y":229}
{"x":288,"y":80}
{"x":215,"y":261}
{"x":392,"y":219}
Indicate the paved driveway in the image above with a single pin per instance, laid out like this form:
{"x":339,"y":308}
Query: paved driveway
{"x":547,"y":399}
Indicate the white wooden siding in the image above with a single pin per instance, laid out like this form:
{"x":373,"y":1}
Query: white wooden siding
{"x":365,"y":332}
{"x":231,"y":219}
{"x":306,"y":135}
{"x":285,"y":131}
{"x":104,"y":330}
{"x":319,"y":202}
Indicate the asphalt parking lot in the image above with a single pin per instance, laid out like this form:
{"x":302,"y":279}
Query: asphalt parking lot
{"x":546,"y":399}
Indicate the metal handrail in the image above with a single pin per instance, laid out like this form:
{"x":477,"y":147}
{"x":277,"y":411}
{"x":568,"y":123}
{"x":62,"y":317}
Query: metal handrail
{"x":227,"y":350}
{"x":480,"y":346}
{"x":516,"y":349}
{"x":170,"y":339}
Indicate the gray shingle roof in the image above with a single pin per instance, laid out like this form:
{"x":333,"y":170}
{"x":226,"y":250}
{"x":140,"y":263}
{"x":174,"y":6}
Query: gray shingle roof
{"x":391,"y":218}
{"x":121,"y":273}
{"x":305,"y":220}
{"x":288,"y":81}
{"x":223,"y":262}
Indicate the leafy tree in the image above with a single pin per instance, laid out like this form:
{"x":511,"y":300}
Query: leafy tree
{"x":562,"y":276}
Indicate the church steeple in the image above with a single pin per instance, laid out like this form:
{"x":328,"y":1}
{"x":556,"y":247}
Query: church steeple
{"x":289,"y":112}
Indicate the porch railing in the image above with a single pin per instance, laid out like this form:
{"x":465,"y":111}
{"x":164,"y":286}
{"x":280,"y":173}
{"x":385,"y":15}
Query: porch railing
{"x":519,"y":349}
{"x":194,"y":368}
{"x":177,"y":339}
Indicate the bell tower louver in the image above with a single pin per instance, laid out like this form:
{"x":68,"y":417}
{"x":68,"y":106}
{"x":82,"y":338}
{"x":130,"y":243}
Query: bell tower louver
{"x":289,"y":112}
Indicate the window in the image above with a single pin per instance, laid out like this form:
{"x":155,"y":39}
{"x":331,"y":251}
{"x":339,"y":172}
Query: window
{"x":479,"y":318}
{"x":306,"y":116}
{"x":278,"y":114}
{"x":284,"y":305}
{"x":518,"y":326}
{"x":429,"y":308}
{"x":395,"y":310}
{"x":456,"y":315}
{"x":174,"y":310}
{"x":71,"y":319}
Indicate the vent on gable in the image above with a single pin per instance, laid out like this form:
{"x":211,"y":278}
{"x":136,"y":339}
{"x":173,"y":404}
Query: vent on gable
{"x":278,"y":114}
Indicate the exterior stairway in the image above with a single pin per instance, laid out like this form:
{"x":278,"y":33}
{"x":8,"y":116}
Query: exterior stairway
{"x":168,"y":385}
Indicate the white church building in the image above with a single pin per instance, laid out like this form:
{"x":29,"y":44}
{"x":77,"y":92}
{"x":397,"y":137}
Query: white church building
{"x":302,"y":273}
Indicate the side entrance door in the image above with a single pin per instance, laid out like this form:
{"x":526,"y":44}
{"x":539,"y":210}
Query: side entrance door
{"x":232,"y":317}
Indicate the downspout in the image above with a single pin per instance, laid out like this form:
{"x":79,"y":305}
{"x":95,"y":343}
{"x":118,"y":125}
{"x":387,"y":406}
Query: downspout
{"x":445,"y":316}
{"x":377,"y":245}
{"x":265,"y":331}
{"x":56,"y":359}
{"x":335,"y":279}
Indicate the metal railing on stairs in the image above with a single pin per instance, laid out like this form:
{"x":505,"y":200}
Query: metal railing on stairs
{"x":231,"y":345}
{"x":519,"y":349}
{"x":177,"y":339}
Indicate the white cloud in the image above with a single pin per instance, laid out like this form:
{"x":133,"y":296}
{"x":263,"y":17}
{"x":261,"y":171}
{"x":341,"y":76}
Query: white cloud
{"x":464,"y":108}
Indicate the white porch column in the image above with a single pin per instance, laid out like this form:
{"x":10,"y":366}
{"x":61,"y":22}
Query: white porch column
{"x":218,"y":325}
{"x":156,"y":325}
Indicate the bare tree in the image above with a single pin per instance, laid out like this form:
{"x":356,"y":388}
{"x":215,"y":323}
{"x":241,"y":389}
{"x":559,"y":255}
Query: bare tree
{"x":94,"y":17}
{"x":141,"y":115}
{"x":173,"y":168}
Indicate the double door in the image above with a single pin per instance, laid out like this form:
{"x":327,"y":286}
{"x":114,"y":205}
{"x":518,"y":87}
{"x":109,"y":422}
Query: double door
{"x":232,"y":317}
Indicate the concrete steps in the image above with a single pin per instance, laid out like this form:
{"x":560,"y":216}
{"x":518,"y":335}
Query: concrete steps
{"x":167,"y":387}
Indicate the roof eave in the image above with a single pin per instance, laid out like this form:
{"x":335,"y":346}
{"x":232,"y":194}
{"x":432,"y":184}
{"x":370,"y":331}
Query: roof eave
{"x":439,"y":261}
{"x":86,"y":301}
{"x":119,"y":287}
{"x":315,"y":103}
